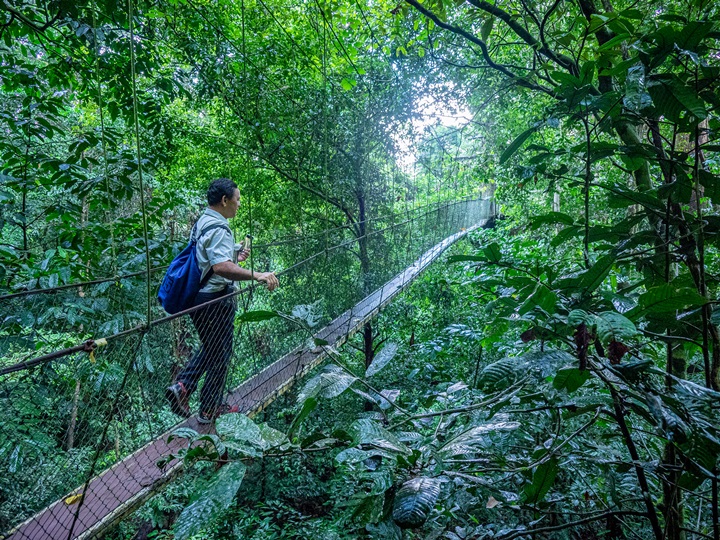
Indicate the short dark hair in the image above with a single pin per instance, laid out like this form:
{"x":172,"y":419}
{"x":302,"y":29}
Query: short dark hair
{"x":219,"y":188}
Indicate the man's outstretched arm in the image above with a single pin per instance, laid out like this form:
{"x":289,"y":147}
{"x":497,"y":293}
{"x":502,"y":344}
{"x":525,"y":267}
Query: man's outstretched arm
{"x":230,"y":270}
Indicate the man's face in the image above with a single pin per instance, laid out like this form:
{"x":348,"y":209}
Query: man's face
{"x":231,"y":205}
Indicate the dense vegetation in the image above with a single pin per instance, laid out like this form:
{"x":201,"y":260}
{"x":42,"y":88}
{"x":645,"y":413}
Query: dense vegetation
{"x":558,"y":377}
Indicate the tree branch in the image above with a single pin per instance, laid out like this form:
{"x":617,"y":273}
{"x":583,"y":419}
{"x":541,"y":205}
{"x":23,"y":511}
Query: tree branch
{"x":560,"y":59}
{"x":521,"y":81}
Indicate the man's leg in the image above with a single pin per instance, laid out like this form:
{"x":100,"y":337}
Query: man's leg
{"x":218,"y":350}
{"x":178,"y":395}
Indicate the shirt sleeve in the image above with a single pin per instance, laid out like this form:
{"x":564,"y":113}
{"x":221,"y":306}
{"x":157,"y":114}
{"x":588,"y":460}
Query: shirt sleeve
{"x":218,"y":246}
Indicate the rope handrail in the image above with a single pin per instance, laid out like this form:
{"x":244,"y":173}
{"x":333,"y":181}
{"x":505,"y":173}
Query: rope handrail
{"x":283,"y":241}
{"x":88,"y":345}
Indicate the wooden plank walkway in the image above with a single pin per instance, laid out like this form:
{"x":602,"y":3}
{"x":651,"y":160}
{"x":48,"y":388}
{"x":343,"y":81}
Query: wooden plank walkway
{"x":118,"y":491}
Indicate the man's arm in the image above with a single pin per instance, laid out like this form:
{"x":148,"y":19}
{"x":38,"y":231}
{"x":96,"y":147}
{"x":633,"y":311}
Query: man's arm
{"x":230,"y":270}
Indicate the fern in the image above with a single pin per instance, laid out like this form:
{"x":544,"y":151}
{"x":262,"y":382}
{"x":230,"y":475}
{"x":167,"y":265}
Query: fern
{"x":414,"y":501}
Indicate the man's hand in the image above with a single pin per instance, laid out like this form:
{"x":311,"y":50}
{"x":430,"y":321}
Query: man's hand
{"x":268,"y":278}
{"x":243,"y":255}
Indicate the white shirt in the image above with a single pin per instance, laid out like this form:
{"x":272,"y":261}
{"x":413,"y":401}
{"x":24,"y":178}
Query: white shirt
{"x":213,"y":247}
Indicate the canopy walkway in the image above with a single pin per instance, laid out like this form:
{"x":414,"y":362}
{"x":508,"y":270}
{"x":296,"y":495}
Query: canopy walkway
{"x":82,"y":410}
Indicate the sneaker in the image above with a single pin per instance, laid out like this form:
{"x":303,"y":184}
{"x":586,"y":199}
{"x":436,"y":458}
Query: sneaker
{"x":177,"y":397}
{"x":207,"y":417}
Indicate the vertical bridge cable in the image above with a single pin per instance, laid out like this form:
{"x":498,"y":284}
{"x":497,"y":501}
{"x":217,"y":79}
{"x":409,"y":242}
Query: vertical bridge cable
{"x":139,"y":158}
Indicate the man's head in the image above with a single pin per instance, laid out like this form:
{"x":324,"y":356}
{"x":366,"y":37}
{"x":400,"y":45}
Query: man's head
{"x":223,"y":196}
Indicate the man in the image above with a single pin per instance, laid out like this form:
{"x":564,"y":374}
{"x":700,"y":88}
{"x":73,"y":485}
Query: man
{"x":215,"y":323}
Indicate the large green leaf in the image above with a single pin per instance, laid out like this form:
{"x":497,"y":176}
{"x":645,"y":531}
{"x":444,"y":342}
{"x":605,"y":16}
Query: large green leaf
{"x":543,"y":298}
{"x":552,"y":217}
{"x":711,"y":185}
{"x":256,"y":316}
{"x":570,"y":378}
{"x":543,"y":480}
{"x":493,"y":253}
{"x":271,"y":437}
{"x":414,"y":501}
{"x":516,"y":144}
{"x":672,"y":97}
{"x":213,"y":500}
{"x":382,"y":359}
{"x":593,"y":278}
{"x":665,"y":298}
{"x":308,"y":406}
{"x":622,"y":197}
{"x":468,"y":441}
{"x":612,"y":326}
{"x":238,"y":427}
{"x":499,"y":375}
{"x":332,"y":382}
{"x":367,"y":432}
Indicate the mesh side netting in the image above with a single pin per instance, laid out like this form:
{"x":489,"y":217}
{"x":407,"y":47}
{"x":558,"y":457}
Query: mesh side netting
{"x":97,"y":424}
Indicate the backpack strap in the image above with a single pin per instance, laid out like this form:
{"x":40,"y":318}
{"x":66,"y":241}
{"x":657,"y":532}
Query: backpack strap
{"x":207,"y":229}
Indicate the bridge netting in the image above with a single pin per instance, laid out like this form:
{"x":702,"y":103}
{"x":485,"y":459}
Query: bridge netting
{"x":83,"y":375}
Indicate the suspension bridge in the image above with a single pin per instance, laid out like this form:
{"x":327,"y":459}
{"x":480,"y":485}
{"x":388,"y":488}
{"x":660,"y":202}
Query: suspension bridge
{"x":84,"y":426}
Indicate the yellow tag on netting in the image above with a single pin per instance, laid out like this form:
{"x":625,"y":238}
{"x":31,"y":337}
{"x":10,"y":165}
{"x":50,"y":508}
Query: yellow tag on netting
{"x":98,"y":343}
{"x":73,"y":499}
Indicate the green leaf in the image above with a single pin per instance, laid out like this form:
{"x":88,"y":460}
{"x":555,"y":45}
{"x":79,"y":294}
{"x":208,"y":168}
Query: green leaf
{"x":620,"y":196}
{"x":466,"y":258}
{"x":469,"y":441}
{"x":498,"y":375}
{"x":414,"y":501}
{"x":346,"y":84}
{"x":516,"y":144}
{"x":352,"y":455}
{"x":308,"y":406}
{"x":486,"y":28}
{"x":493,"y":253}
{"x":542,"y":298}
{"x":332,"y":382}
{"x":570,"y":379}
{"x":552,"y":217}
{"x":212,"y":502}
{"x":382,"y":359}
{"x":593,"y":278}
{"x":665,"y":298}
{"x":711,"y":185}
{"x":271,"y":437}
{"x":543,"y":480}
{"x":367,"y":432}
{"x":238,"y":427}
{"x":671,"y":97}
{"x":256,"y":316}
{"x":612,"y":326}
{"x":579,"y":316}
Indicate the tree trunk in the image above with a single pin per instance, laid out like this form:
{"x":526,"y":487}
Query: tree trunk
{"x":369,"y":353}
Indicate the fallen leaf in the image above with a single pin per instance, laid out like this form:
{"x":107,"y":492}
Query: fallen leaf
{"x":72,"y":499}
{"x":492,"y":502}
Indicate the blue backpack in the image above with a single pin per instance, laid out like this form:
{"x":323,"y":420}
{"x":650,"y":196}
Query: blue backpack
{"x":183,"y":279}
